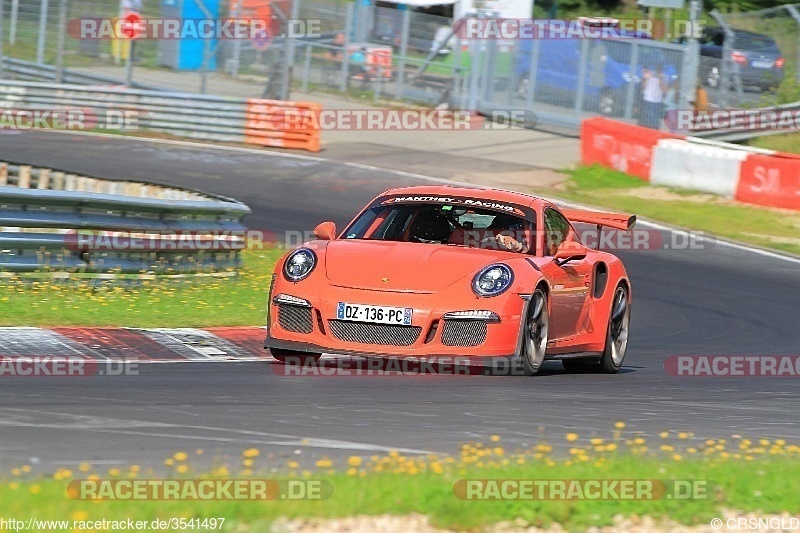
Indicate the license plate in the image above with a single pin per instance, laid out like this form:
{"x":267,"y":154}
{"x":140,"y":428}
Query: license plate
{"x":377,"y":314}
{"x":762,"y":64}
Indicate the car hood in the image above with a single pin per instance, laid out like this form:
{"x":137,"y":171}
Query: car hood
{"x":402,"y":266}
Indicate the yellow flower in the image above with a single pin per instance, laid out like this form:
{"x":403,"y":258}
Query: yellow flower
{"x":354,"y":460}
{"x":664,"y":434}
{"x":495,"y":438}
{"x":293,"y":464}
{"x":114,"y":472}
{"x":571,"y":437}
{"x":596,"y":441}
{"x":352,"y":471}
{"x":611,"y":447}
{"x":182,"y":469}
{"x":683,"y":435}
{"x":35,"y":489}
{"x":247,"y":462}
{"x":84,"y":467}
{"x":169,"y":462}
{"x":251,"y":452}
{"x":620,"y":425}
{"x":324,"y":463}
{"x":638,"y":440}
{"x":677,"y":457}
{"x":180,"y":456}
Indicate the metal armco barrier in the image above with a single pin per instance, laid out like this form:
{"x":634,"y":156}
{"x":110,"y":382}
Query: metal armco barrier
{"x":32,"y":71}
{"x":252,"y":121}
{"x":56,"y":221}
{"x":751,"y":175}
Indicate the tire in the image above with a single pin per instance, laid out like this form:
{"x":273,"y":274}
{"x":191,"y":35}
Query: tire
{"x":616,"y":339}
{"x":610,"y":102}
{"x":293,"y":357}
{"x":535,"y":331}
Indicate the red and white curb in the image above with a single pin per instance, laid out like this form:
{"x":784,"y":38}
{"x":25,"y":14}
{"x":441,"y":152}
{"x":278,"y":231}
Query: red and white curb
{"x":142,"y":345}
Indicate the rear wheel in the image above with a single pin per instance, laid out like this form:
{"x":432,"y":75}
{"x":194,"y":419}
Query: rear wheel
{"x":616,"y":339}
{"x":293,"y":357}
{"x":534,"y":343}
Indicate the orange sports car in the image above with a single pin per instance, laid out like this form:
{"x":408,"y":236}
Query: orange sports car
{"x":450,"y":271}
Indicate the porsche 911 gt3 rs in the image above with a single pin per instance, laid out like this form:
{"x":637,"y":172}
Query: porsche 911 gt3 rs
{"x":451,"y":271}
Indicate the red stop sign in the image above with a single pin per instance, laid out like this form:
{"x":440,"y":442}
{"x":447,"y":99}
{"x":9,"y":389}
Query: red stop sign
{"x":131,"y":26}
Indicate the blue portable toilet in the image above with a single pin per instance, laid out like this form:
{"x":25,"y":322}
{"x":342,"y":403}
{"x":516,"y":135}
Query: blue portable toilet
{"x":187,"y":53}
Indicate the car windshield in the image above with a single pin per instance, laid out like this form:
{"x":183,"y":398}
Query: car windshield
{"x":755,"y":42}
{"x":443,"y":224}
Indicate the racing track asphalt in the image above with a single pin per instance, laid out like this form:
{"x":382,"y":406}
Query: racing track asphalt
{"x":716,"y":301}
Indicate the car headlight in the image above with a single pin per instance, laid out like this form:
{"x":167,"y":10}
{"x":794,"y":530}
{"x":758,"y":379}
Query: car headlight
{"x":492,"y":280}
{"x":299,"y":264}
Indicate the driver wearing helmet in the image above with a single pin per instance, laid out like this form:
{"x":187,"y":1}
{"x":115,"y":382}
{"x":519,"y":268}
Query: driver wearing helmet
{"x":503,"y":227}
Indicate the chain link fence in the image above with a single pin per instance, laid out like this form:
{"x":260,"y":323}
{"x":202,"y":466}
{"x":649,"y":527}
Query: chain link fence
{"x":392,"y":53}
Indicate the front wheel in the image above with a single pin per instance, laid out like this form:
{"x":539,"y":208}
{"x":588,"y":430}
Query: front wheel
{"x":293,"y":357}
{"x":534,"y":342}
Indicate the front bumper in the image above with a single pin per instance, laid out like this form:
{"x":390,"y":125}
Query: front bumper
{"x":315,"y":328}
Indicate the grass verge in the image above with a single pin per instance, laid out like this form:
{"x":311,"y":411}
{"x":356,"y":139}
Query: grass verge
{"x":751,"y":475}
{"x":235,"y":301}
{"x":787,"y":142}
{"x":765,"y":227}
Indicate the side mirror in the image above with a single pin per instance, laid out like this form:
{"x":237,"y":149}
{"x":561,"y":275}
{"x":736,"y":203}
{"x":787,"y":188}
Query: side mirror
{"x":570,"y":251}
{"x":325,"y":231}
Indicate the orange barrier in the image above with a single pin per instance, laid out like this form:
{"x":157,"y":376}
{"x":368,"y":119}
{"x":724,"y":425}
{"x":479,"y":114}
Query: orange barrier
{"x":771,"y":180}
{"x":619,"y":145}
{"x":282,"y":124}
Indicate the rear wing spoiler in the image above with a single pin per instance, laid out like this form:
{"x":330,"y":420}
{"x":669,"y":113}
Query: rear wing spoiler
{"x":618,"y":221}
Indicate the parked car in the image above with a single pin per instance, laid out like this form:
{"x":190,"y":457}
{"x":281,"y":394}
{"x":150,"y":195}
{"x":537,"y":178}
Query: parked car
{"x":608,"y":69}
{"x":756,"y":56}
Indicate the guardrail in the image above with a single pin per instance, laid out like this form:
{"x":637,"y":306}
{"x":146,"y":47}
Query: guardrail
{"x":251,"y":121}
{"x":55,"y":221}
{"x":741,"y":133}
{"x":20,"y":69}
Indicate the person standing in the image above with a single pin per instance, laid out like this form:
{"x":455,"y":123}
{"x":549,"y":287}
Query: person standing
{"x":653,"y":89}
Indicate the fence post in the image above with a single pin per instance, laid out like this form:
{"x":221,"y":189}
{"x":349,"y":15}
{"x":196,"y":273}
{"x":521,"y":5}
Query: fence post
{"x":691,"y":59}
{"x":289,"y":56}
{"x":581,"y":77}
{"x":40,"y":41}
{"x":2,"y":16}
{"x":630,"y":88}
{"x":401,"y":66}
{"x":62,"y":26}
{"x":533,"y":66}
{"x":307,"y":66}
{"x":348,"y":28}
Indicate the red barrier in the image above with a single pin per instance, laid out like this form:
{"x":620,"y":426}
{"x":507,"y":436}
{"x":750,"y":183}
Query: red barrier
{"x":771,"y":180}
{"x":619,"y":145}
